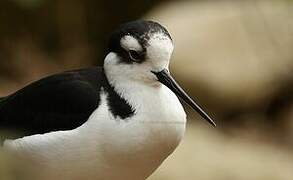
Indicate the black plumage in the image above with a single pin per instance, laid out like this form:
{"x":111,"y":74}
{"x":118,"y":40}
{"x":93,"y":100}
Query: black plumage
{"x":59,"y":102}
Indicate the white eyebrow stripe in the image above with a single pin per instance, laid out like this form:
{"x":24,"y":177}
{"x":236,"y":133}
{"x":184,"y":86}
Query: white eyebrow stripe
{"x":128,"y":42}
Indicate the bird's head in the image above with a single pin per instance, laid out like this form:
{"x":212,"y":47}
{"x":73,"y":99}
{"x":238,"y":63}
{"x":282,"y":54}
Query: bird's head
{"x":140,"y":51}
{"x":136,"y":49}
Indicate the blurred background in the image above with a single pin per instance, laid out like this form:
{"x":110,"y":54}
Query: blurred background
{"x":235,"y":57}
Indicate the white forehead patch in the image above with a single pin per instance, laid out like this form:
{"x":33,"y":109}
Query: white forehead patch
{"x":128,"y":42}
{"x":160,"y":47}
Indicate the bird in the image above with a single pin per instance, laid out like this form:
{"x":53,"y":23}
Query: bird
{"x":118,"y":121}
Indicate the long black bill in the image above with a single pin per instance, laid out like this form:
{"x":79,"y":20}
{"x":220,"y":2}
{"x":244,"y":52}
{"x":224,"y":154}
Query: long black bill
{"x":165,"y":77}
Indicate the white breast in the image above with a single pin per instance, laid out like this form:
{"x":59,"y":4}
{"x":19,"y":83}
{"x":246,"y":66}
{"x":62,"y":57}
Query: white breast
{"x":111,"y":148}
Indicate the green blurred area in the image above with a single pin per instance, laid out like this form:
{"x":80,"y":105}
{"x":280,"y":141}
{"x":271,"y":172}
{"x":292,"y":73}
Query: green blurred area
{"x":234,"y":57}
{"x":56,"y":24}
{"x":58,"y":34}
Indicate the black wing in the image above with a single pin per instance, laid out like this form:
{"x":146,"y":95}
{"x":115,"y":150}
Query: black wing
{"x":59,"y":102}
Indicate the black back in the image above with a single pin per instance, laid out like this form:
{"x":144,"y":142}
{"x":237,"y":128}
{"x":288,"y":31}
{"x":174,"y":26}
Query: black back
{"x":60,"y":102}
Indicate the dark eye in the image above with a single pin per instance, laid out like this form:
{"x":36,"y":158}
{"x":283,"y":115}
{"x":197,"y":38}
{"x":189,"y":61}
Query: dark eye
{"x":135,"y":56}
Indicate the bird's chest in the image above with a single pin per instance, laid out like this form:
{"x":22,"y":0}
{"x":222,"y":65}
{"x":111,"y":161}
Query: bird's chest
{"x":159,"y":118}
{"x":145,"y":139}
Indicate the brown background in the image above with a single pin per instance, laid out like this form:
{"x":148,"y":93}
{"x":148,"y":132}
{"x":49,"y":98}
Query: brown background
{"x":234,"y":57}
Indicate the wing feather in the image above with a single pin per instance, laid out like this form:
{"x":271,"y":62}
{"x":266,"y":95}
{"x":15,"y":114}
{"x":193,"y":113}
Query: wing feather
{"x":60,"y":102}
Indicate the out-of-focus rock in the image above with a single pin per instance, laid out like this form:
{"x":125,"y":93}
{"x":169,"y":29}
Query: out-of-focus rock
{"x":207,"y":155}
{"x":230,"y":54}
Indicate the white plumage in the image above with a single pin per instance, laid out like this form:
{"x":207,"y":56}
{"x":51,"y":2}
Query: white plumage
{"x":109,"y":148}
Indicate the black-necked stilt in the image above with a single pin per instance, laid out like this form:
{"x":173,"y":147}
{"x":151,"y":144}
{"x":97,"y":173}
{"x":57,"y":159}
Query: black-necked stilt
{"x":119,"y":121}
